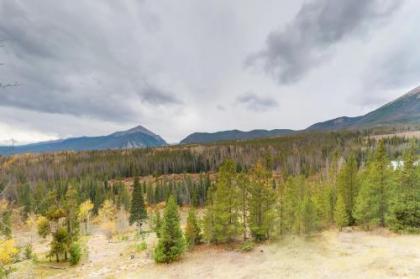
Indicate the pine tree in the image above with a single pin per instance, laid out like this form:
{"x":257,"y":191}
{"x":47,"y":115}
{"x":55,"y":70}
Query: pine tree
{"x":209,"y":232}
{"x":192,"y":229}
{"x":298,"y":207}
{"x":71,"y":211}
{"x":373,"y":200}
{"x":324,"y":203}
{"x":289,"y":205}
{"x":309,"y":217}
{"x":157,"y":222}
{"x":171,"y":243}
{"x":347,"y":185}
{"x":340,"y":214}
{"x":405,"y":208}
{"x":59,"y":244}
{"x":25,"y":198}
{"x":223,"y":212}
{"x":261,"y":203}
{"x":138,"y":211}
{"x":243,"y":185}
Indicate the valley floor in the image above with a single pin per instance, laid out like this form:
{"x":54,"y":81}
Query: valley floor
{"x":332,"y":254}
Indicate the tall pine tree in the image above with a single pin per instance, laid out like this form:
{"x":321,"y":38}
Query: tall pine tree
{"x":341,"y":216}
{"x":405,"y":208}
{"x":171,"y":243}
{"x":222,"y":216}
{"x":138,"y":211}
{"x":156,"y":222}
{"x":261,"y":203}
{"x":347,"y":185}
{"x":373,"y":200}
{"x":192,"y":229}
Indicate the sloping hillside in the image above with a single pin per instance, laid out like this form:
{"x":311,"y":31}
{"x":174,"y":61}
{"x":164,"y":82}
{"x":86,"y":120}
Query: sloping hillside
{"x":233,"y":135}
{"x":402,"y":111}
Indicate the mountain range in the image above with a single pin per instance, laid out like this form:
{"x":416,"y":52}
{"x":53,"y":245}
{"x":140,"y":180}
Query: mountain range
{"x":233,"y":135}
{"x":404,"y":111}
{"x":138,"y":137}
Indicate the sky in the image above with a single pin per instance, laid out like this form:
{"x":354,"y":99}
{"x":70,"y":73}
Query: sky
{"x":93,"y":67}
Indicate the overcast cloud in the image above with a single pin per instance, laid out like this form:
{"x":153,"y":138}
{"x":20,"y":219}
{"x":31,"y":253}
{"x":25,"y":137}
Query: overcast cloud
{"x":93,"y":67}
{"x":256,"y":103}
{"x":308,"y":39}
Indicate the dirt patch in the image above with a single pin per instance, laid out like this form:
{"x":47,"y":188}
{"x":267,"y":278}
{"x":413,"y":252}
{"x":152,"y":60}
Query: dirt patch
{"x":332,"y":254}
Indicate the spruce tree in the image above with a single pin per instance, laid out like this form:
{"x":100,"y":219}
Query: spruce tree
{"x":25,"y":198}
{"x":138,"y":211}
{"x":289,"y":205}
{"x":373,"y":200}
{"x":157,"y":222}
{"x":341,"y":217}
{"x":171,"y":243}
{"x":223,"y":213}
{"x":405,"y":208}
{"x":324,"y":203}
{"x":261,"y":203}
{"x":309,"y":217}
{"x":71,"y":211}
{"x":209,"y":218}
{"x":192,"y":229}
{"x":347,"y":185}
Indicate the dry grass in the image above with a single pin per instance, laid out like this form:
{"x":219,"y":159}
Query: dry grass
{"x":332,"y":254}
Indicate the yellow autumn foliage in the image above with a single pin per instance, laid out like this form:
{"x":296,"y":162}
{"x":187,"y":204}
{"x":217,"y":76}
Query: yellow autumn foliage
{"x":8,"y":251}
{"x":85,"y":210}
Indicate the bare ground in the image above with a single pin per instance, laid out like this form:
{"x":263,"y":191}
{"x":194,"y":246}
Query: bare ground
{"x":332,"y":254}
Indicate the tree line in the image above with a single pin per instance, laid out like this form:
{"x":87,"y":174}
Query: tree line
{"x":252,"y":205}
{"x":240,"y":204}
{"x":304,"y":154}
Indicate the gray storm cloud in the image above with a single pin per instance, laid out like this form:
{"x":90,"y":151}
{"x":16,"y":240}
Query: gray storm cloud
{"x":304,"y":43}
{"x":256,"y":103}
{"x":156,"y":96}
{"x":79,"y":65}
{"x":94,"y":67}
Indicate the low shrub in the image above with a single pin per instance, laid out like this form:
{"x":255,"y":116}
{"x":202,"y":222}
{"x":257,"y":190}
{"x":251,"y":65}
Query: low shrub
{"x":247,"y":246}
{"x":28,"y":251}
{"x":75,"y":254}
{"x":141,"y":247}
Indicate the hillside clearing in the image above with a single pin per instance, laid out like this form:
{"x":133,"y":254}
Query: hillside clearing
{"x":332,"y":254}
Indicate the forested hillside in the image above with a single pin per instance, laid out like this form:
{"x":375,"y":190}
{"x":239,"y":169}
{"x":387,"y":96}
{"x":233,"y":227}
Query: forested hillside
{"x":297,"y":154}
{"x":248,"y":191}
{"x":234,"y":135}
{"x":403,"y":113}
